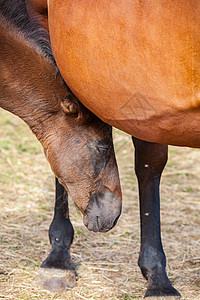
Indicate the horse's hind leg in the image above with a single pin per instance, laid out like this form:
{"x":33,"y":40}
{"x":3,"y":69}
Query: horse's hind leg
{"x":59,"y":273}
{"x":150,"y":160}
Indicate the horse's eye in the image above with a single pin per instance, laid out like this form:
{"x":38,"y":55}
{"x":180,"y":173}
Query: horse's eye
{"x":103,"y":149}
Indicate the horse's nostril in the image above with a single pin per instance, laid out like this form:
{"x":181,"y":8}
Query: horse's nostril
{"x":98,"y":223}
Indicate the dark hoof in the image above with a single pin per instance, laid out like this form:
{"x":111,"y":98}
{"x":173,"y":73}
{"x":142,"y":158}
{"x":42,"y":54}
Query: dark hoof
{"x":56,"y":281}
{"x":165,"y":292}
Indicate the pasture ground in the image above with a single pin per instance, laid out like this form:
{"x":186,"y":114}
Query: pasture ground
{"x":106,"y":263}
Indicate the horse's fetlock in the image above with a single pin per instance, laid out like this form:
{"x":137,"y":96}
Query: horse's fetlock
{"x":151,"y":261}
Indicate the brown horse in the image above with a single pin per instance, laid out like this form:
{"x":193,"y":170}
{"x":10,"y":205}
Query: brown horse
{"x":136,"y":65}
{"x":76,"y":143}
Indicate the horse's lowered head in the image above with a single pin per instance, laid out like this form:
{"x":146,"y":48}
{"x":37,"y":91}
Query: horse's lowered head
{"x":77,"y":144}
{"x":80,"y":152}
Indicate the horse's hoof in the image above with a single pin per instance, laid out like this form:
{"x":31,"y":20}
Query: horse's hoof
{"x":169,"y":291}
{"x":55,"y":280}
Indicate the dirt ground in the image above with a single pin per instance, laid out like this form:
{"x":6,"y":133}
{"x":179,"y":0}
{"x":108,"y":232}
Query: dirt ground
{"x":106,"y":263}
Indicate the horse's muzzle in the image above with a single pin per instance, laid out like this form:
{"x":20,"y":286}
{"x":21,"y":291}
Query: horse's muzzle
{"x":102,"y":211}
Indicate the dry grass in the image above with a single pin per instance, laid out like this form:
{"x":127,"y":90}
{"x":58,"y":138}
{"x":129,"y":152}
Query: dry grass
{"x":107,"y":263}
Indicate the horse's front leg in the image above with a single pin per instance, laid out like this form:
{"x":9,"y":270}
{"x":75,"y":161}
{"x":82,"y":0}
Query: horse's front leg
{"x":150,"y":160}
{"x":61,"y":235}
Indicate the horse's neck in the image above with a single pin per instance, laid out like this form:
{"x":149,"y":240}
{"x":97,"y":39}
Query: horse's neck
{"x":29,"y":88}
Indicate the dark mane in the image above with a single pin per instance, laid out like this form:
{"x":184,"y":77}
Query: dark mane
{"x":16,"y":12}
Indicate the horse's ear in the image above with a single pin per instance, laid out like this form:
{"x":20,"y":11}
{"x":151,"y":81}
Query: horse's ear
{"x":71,"y":105}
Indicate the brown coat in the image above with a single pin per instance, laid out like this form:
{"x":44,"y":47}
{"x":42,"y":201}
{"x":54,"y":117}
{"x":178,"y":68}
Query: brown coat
{"x":135,"y":64}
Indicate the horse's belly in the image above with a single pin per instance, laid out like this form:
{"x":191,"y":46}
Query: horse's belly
{"x":133,"y":63}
